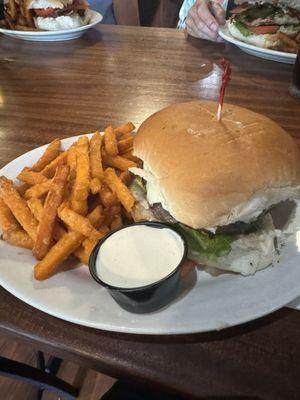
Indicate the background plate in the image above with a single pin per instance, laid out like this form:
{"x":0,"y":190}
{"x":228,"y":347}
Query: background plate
{"x":279,"y":56}
{"x":55,"y":36}
{"x":205,"y":303}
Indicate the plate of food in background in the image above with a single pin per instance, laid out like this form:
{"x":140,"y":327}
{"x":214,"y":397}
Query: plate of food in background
{"x":231,"y":188}
{"x":265,"y":29}
{"x":47,"y":20}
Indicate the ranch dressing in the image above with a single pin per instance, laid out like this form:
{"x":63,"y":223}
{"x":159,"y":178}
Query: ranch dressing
{"x":139,"y":255}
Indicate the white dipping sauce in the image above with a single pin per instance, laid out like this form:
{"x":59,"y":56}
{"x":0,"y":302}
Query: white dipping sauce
{"x":138,"y":255}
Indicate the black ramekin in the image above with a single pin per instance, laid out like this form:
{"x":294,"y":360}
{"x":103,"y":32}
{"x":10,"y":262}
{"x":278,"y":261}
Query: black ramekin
{"x":143,"y":299}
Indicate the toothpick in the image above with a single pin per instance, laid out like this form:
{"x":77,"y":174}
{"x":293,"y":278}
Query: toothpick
{"x":225,"y":79}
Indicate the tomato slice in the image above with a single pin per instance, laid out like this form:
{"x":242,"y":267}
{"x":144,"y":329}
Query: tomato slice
{"x":44,"y":12}
{"x":264,"y":29}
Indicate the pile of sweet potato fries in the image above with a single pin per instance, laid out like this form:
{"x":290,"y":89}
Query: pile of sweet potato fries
{"x":69,"y":199}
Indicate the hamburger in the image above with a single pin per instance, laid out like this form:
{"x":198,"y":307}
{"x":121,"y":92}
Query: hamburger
{"x":49,"y":15}
{"x":272,"y":24}
{"x":216,"y":181}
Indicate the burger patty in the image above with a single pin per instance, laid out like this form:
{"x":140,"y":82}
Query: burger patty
{"x":57,"y":12}
{"x":238,"y":228}
{"x":161,"y":214}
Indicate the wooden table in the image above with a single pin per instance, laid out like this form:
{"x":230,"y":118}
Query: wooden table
{"x":112,"y":75}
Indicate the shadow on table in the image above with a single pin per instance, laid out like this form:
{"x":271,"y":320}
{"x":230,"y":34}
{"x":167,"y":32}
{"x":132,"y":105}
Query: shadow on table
{"x":125,"y":391}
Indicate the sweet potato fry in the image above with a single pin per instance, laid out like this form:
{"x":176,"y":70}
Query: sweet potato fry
{"x":81,"y":186}
{"x":52,"y":151}
{"x":97,"y":216}
{"x":60,"y":251}
{"x":37,"y":209}
{"x":50,"y":169}
{"x":89,"y":244}
{"x":18,"y":207}
{"x":131,"y":157}
{"x":111,"y":213}
{"x":119,"y":189}
{"x":118,"y":162}
{"x":77,"y":222}
{"x":95,"y":185}
{"x":71,"y":161}
{"x":95,"y":156}
{"x":22,"y":188}
{"x":124,"y":129}
{"x":52,"y":202}
{"x":82,"y":255}
{"x":38,"y":190}
{"x":8,"y":222}
{"x":18,"y":238}
{"x":107,"y":197}
{"x":110,"y":142}
{"x":30,"y":177}
{"x":125,"y":177}
{"x":125,"y":145}
{"x":57,"y":254}
{"x":114,"y":210}
{"x":116,"y":222}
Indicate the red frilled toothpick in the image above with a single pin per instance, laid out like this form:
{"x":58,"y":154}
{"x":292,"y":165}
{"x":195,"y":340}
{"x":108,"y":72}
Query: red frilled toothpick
{"x":225,"y":79}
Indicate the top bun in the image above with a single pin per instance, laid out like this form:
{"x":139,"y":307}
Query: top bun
{"x":214,"y":173}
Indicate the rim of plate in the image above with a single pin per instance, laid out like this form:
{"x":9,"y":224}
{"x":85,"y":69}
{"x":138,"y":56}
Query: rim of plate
{"x":225,"y":34}
{"x":95,"y":19}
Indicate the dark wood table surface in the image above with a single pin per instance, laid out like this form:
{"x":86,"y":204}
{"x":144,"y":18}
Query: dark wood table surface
{"x":116,"y":74}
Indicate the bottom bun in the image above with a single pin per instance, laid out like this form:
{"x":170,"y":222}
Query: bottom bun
{"x":61,"y":23}
{"x":249,"y":253}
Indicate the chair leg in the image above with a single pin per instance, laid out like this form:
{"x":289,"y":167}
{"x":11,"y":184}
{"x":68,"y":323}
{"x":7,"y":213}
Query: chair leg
{"x":43,"y":380}
{"x":39,"y":394}
{"x":40,"y":360}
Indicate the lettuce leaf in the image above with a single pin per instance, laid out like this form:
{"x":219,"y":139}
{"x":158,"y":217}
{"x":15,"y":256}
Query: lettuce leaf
{"x":242,"y":28}
{"x":211,"y":247}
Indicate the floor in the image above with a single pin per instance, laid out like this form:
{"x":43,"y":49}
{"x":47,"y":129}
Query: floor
{"x":93,"y":384}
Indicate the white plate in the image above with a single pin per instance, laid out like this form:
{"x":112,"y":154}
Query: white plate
{"x":55,"y":36}
{"x":206,"y":303}
{"x":279,"y":56}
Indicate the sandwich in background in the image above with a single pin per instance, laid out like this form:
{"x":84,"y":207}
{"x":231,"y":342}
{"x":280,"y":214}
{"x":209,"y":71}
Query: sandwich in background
{"x":271,"y":24}
{"x":49,"y":15}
